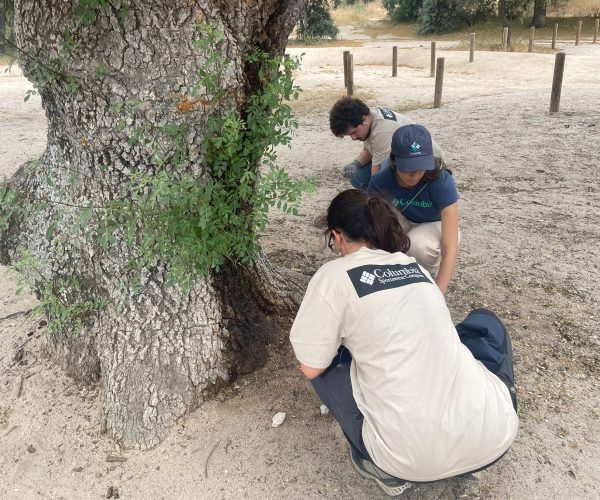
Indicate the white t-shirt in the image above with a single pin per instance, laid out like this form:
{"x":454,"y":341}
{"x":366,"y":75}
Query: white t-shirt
{"x":385,"y":123}
{"x":430,"y":409}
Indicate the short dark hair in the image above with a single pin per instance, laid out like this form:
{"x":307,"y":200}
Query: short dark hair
{"x":347,"y":112}
{"x":369,"y":218}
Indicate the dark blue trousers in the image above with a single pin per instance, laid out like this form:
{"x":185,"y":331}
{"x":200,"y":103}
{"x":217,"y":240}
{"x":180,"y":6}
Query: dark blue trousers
{"x":481,"y":332}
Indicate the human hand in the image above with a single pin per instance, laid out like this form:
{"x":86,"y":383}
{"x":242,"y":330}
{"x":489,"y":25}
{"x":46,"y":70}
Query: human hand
{"x":349,"y":170}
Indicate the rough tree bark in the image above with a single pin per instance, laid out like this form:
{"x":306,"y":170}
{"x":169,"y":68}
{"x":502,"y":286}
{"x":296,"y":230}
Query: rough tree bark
{"x":161,"y":352}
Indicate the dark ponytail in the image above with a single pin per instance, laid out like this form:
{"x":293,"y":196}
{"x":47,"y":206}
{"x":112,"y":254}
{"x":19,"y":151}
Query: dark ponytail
{"x":367,"y":218}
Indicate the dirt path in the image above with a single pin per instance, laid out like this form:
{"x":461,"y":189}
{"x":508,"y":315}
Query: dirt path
{"x":530,"y":219}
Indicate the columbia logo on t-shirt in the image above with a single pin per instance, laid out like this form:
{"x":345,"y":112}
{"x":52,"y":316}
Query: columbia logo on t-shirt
{"x":371,"y":279}
{"x":367,"y":278}
{"x":387,"y":114}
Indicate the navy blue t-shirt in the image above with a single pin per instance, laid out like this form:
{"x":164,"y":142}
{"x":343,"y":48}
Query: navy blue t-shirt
{"x":427,"y":206}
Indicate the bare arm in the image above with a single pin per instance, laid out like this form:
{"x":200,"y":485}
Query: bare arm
{"x":449,"y":246}
{"x":364,"y":157}
{"x":311,"y":372}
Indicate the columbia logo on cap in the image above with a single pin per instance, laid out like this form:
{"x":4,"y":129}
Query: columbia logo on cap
{"x":412,"y":149}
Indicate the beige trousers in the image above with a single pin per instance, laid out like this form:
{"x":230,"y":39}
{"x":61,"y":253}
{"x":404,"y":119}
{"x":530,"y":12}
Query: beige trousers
{"x":425,"y":243}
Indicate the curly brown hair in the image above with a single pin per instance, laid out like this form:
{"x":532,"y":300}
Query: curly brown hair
{"x":347,"y":112}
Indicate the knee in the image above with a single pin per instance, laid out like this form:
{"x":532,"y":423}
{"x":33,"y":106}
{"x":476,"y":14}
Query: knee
{"x":426,"y":251}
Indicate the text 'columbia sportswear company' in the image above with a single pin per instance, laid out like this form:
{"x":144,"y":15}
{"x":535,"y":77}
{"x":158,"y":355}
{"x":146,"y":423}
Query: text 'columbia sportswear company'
{"x":371,"y":279}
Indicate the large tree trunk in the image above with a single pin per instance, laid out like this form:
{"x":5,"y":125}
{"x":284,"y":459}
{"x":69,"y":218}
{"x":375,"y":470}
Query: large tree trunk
{"x":539,"y":13}
{"x":156,"y":350}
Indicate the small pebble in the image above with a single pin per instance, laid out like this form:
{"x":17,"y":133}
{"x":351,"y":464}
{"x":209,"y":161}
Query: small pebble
{"x":278,"y":419}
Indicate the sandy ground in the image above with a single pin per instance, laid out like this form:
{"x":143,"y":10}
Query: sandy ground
{"x":530,"y":205}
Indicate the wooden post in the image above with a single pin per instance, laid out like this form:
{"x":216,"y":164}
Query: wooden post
{"x":531,"y":36}
{"x":395,"y":61}
{"x":432,"y":68}
{"x":505,"y":38}
{"x":578,"y":34}
{"x":509,"y":38}
{"x":439,"y":82}
{"x":472,"y":47}
{"x":596,"y":25}
{"x":350,"y":86}
{"x":346,"y":54}
{"x":554,"y":35}
{"x":559,"y":67}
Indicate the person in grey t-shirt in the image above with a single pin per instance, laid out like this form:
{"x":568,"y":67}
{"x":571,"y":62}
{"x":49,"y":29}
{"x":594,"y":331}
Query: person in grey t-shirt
{"x":350,"y":116}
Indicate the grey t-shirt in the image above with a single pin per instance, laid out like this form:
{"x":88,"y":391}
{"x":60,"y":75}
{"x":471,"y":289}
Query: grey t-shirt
{"x":385,"y":123}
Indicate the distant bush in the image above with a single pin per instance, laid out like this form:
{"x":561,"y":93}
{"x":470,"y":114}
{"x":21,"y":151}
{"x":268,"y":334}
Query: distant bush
{"x":443,"y":16}
{"x":514,"y":9}
{"x":400,"y":11}
{"x":437,"y":16}
{"x":316,"y":21}
{"x":471,"y":12}
{"x":337,"y":3}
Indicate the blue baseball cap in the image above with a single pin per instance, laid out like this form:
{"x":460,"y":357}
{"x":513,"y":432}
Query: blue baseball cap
{"x":412,"y":149}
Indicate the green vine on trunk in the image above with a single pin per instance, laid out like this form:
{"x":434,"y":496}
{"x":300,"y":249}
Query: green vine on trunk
{"x":195,"y":225}
{"x":63,"y":312}
{"x":167,"y":214}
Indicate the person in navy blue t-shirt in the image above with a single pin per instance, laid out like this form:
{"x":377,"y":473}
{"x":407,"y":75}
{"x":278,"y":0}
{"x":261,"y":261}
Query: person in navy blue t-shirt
{"x":426,"y":197}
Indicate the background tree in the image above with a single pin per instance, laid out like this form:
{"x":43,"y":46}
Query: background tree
{"x":157,"y":130}
{"x":509,"y":10}
{"x":316,"y":21}
{"x":437,"y":16}
{"x":402,"y":10}
{"x":539,"y":13}
{"x":337,"y":3}
{"x":470,"y":12}
{"x":6,"y":20}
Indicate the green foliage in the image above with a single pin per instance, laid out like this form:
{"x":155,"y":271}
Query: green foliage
{"x":9,"y":204}
{"x":87,"y":10}
{"x":54,"y":69}
{"x":63,"y":313}
{"x":191,"y":225}
{"x":470,"y":12}
{"x":440,"y":16}
{"x":338,"y":3}
{"x":165,"y":214}
{"x":316,"y":21}
{"x":437,"y":16}
{"x":45,"y":73}
{"x":7,"y":12}
{"x":12,"y":206}
{"x":443,"y":16}
{"x":515,"y":9}
{"x":403,"y":10}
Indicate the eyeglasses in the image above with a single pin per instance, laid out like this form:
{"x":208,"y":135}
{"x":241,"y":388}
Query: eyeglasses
{"x":330,"y":243}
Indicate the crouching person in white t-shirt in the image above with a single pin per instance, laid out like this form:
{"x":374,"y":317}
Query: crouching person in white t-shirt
{"x":417,"y":398}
